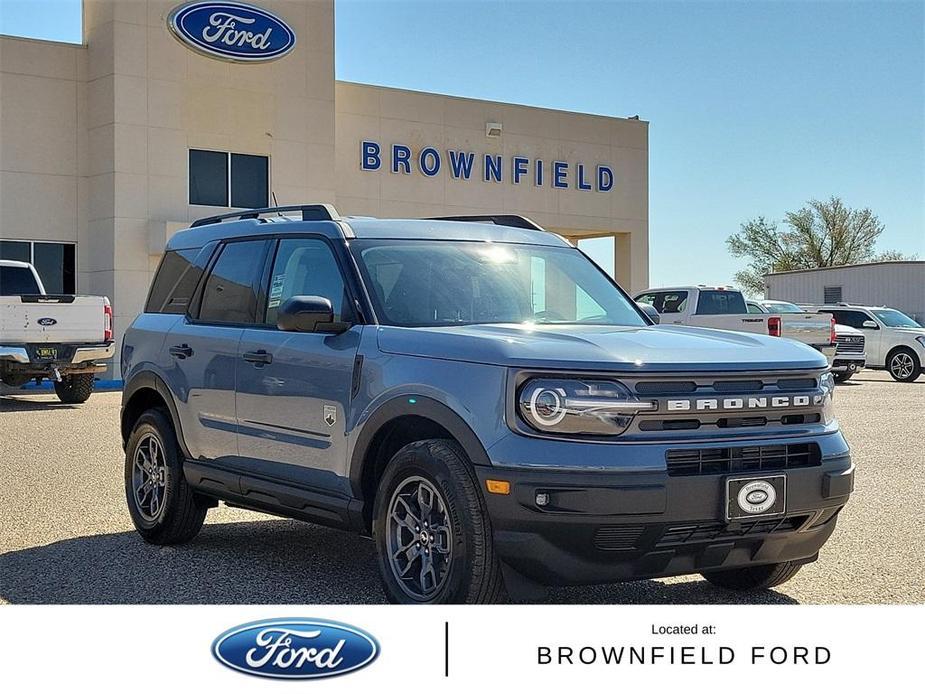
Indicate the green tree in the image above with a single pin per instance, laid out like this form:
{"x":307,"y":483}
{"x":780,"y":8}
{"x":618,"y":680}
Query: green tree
{"x":822,"y":234}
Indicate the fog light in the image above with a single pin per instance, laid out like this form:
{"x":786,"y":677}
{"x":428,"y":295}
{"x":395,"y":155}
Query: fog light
{"x":498,"y":486}
{"x":542,"y":499}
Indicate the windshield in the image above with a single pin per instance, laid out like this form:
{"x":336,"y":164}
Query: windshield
{"x":432,"y":283}
{"x":892,"y":318}
{"x":16,"y":281}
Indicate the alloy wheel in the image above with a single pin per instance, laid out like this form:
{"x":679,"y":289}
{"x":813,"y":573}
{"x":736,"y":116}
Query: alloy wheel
{"x":419,"y":538}
{"x":149,"y":477}
{"x":901,"y":365}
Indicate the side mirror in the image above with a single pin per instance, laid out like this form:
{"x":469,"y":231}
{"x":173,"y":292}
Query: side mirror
{"x":308,"y":314}
{"x":870,"y":325}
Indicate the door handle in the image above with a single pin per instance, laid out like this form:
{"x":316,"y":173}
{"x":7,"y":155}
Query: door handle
{"x":261,"y":356}
{"x":181,"y":351}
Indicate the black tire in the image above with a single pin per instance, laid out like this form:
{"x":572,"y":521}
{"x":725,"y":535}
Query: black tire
{"x":472,"y":571}
{"x":181,"y":512}
{"x":754,"y":578}
{"x":75,"y":388}
{"x":903,"y":365}
{"x":842,"y":376}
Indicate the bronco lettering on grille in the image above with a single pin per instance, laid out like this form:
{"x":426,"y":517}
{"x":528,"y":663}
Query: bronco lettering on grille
{"x":743,"y":403}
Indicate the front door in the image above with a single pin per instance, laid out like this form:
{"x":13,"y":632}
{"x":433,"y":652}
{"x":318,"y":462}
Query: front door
{"x":293,"y":389}
{"x":872,"y":336}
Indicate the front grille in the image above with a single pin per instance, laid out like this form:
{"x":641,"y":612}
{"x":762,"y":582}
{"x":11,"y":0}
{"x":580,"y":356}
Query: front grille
{"x":612,"y":538}
{"x":849,"y":344}
{"x":711,"y":532}
{"x":718,"y":461}
{"x":725,"y":386}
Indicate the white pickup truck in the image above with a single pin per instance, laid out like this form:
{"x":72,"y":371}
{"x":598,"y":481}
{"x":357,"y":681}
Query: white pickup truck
{"x":725,"y":309}
{"x":60,"y":337}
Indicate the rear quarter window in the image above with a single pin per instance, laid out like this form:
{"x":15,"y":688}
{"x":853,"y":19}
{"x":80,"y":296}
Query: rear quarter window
{"x":16,"y":281}
{"x":175,"y":282}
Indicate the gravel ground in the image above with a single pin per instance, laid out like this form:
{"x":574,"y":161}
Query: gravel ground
{"x":65,"y":536}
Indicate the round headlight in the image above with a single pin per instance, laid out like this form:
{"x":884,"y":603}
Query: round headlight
{"x":547,"y":406}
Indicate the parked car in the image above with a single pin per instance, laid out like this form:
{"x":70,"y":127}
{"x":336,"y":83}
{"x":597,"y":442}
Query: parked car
{"x":850,"y":357}
{"x":404,"y":379}
{"x":60,"y":337}
{"x":894,"y":341}
{"x":725,"y":309}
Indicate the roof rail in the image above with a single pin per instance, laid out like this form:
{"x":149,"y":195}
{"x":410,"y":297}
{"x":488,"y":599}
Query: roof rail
{"x":506,"y":220}
{"x":310,"y":213}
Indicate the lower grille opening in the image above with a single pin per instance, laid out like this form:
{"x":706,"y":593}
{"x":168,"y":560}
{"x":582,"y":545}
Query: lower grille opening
{"x":717,"y":461}
{"x":612,"y":538}
{"x":709,"y":532}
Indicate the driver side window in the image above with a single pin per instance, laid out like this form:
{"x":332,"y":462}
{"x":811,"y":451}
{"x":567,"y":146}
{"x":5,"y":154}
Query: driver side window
{"x":306,"y":267}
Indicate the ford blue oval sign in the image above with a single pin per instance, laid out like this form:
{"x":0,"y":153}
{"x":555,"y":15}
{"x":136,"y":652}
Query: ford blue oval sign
{"x":231,"y":31}
{"x":295,"y":648}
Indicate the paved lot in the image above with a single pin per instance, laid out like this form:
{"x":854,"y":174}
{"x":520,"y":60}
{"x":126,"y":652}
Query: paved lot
{"x":65,"y":536}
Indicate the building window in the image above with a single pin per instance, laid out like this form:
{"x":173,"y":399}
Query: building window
{"x":831,"y":295}
{"x":56,"y":263}
{"x":223,"y":179}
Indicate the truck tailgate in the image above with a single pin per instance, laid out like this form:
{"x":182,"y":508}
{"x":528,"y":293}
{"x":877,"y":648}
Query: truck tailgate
{"x":809,"y":328}
{"x":742,"y":322}
{"x":52,"y":319}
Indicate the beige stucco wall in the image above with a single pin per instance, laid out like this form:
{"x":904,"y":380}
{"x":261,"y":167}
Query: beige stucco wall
{"x":42,"y":140}
{"x":94,"y":144}
{"x":417,"y":120}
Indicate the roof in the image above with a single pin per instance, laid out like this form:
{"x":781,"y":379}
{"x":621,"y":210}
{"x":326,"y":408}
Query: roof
{"x":848,"y":267}
{"x":364,"y":228}
{"x":372,"y":228}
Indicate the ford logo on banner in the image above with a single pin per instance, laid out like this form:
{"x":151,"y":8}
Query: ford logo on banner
{"x":231,"y":31}
{"x":295,"y":648}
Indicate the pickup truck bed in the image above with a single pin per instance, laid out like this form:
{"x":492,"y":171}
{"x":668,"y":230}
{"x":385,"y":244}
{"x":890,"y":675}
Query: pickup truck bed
{"x":725,"y":309}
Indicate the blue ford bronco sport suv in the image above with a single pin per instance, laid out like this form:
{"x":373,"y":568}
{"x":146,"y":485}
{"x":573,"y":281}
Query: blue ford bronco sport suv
{"x":479,"y":398}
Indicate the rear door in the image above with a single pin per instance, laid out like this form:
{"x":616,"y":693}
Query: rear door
{"x":294,"y":389}
{"x":203,"y":349}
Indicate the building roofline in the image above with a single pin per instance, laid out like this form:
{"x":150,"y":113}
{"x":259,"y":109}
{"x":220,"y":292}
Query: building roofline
{"x":489,"y":101}
{"x":846,"y":267}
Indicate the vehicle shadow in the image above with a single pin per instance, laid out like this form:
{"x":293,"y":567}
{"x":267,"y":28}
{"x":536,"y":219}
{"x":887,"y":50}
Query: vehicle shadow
{"x":13,"y":404}
{"x":263,"y":562}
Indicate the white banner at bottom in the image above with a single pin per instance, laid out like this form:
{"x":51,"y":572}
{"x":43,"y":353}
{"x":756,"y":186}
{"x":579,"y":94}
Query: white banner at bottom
{"x":142,"y":649}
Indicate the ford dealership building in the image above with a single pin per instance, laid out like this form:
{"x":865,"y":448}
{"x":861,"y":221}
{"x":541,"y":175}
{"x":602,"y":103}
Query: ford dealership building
{"x":170,"y":112}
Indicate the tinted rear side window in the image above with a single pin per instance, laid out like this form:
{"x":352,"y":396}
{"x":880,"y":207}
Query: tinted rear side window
{"x":175,"y":282}
{"x":853,"y":319}
{"x":230,"y":294}
{"x":714,"y":302}
{"x":665,"y":302}
{"x":15,"y":281}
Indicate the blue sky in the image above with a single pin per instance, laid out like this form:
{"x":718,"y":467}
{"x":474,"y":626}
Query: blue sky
{"x":754,"y":107}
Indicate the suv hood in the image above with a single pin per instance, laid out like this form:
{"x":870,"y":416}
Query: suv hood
{"x":604,"y":348}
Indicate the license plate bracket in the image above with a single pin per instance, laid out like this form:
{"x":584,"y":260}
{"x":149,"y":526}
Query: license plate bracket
{"x":762,"y":496}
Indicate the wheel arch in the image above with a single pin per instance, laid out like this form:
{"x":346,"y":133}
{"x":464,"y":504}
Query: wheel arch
{"x":145,"y":391}
{"x":393,"y":425}
{"x":900,"y":348}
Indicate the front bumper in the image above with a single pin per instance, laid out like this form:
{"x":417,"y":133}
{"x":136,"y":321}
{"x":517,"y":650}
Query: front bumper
{"x":849,"y":364}
{"x":601,"y":527}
